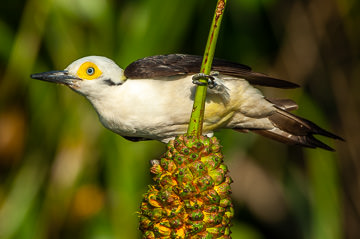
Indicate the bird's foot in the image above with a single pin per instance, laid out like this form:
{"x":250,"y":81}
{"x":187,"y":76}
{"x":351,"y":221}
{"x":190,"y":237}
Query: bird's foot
{"x":212,"y":79}
{"x":214,"y":82}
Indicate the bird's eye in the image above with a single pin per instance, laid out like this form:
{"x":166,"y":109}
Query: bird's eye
{"x":90,"y":71}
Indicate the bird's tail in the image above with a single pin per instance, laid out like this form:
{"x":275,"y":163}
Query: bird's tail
{"x":294,"y":130}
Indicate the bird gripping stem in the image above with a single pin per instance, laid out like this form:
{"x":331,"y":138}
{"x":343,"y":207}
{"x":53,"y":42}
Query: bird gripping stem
{"x":197,"y":114}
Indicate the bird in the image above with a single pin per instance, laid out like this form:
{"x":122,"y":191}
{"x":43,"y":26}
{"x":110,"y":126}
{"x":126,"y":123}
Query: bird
{"x":152,"y":98}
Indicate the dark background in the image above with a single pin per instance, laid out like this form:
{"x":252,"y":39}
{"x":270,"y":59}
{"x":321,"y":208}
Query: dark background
{"x":62,"y":175}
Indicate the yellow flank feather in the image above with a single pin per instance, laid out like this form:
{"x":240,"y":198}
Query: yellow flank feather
{"x":216,"y":114}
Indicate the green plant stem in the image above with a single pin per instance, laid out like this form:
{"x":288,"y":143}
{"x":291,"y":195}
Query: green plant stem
{"x":197,"y":114}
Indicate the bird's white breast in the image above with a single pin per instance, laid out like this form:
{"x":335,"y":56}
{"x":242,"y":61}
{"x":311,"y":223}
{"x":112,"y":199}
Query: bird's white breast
{"x":141,"y":107}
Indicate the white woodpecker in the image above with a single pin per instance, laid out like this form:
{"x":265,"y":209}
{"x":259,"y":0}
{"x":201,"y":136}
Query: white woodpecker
{"x":152,"y":98}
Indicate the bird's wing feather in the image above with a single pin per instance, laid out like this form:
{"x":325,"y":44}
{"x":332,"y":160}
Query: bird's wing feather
{"x":181,"y":64}
{"x":284,"y":104}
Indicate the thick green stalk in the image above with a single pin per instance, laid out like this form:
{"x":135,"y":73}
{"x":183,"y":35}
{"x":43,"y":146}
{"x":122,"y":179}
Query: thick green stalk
{"x":197,"y":114}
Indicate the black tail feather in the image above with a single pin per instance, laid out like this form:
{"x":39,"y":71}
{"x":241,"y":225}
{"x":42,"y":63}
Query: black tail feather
{"x":294,"y":130}
{"x":308,"y":141}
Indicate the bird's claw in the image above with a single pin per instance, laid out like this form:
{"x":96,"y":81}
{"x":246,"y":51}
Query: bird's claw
{"x":212,"y":79}
{"x":215,"y":84}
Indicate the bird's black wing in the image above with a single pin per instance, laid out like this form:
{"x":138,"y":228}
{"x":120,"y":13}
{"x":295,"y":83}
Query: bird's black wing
{"x":181,"y":64}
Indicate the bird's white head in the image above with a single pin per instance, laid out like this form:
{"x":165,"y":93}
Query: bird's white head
{"x":87,"y":75}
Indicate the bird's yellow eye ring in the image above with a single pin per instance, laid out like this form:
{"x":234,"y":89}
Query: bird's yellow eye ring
{"x":88,"y":71}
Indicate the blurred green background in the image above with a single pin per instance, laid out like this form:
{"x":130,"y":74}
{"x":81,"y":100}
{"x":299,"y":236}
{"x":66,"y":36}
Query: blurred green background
{"x":62,"y":175}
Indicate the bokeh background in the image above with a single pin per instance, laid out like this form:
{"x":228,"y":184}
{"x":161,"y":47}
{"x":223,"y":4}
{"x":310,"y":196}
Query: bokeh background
{"x":62,"y":175}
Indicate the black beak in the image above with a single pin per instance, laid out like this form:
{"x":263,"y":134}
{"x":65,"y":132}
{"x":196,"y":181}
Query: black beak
{"x":60,"y":77}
